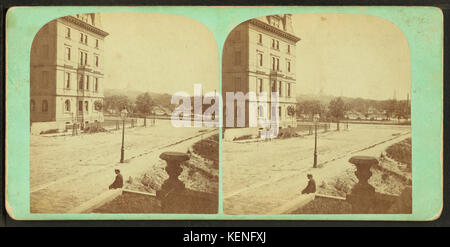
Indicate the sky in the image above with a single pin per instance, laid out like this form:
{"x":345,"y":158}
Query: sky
{"x":351,"y":55}
{"x":159,"y":53}
{"x":338,"y":54}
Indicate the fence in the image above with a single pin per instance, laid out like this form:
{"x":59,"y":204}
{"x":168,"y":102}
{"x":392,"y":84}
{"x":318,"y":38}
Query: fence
{"x":111,"y":123}
{"x":309,"y":127}
{"x":117,"y":123}
{"x":324,"y":126}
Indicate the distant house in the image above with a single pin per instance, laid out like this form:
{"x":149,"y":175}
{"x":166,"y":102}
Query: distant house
{"x":353,"y":115}
{"x":160,"y":111}
{"x":376,"y":116}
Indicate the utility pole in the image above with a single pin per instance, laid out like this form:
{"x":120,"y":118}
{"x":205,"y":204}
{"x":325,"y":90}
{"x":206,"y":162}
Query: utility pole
{"x":122,"y":150}
{"x":315,"y":145}
{"x":123,"y":115}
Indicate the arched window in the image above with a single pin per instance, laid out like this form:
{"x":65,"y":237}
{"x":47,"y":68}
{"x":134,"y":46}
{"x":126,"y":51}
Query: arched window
{"x":32,"y":105}
{"x":86,"y":106}
{"x":67,"y":105}
{"x":44,"y":106}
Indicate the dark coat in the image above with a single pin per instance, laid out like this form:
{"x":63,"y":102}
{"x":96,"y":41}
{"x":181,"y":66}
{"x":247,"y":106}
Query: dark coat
{"x":118,"y":182}
{"x":310,"y":188}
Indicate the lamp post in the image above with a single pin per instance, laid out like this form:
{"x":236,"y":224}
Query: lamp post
{"x":315,"y":145}
{"x":123,"y":115}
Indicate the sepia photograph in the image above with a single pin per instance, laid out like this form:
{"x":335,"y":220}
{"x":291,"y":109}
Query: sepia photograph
{"x":104,"y":136}
{"x":316,"y":116}
{"x":224,"y":113}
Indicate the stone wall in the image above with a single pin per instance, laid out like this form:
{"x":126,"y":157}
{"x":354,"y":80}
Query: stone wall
{"x":37,"y":127}
{"x":230,"y":134}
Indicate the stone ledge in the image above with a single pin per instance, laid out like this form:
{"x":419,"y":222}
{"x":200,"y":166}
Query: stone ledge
{"x":96,"y":202}
{"x":294,"y":205}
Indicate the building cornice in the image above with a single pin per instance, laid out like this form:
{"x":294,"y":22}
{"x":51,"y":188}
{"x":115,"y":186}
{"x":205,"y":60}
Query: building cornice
{"x":273,"y":29}
{"x":85,"y":25}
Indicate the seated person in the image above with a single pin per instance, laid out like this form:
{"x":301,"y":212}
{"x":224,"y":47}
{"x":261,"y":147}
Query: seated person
{"x":311,"y":187}
{"x":118,"y":182}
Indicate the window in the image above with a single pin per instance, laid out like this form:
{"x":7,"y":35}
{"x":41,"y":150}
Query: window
{"x":96,"y":61}
{"x":68,"y":32}
{"x":280,"y":88}
{"x":67,"y":80}
{"x":68,"y":53}
{"x":278,"y":64}
{"x":289,"y":49}
{"x":44,"y":106}
{"x":80,"y":105}
{"x":87,"y":82}
{"x":260,"y":85}
{"x":237,"y":58}
{"x":289,"y":89}
{"x":274,"y":86}
{"x":83,"y":58}
{"x":67,"y":105}
{"x":260,"y":38}
{"x":273,"y":43}
{"x":81,"y":82}
{"x":273,"y":63}
{"x":86,"y":106}
{"x":96,"y":84}
{"x":96,"y":43}
{"x":32,"y":105}
{"x":289,"y":66}
{"x":279,"y":111}
{"x":45,"y":78}
{"x":85,"y":39}
{"x":260,"y":59}
{"x":278,"y":45}
{"x":81,"y":38}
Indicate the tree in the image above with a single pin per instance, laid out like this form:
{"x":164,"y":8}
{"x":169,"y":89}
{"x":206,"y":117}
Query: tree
{"x":402,"y":109}
{"x":117,"y":103}
{"x":310,"y":107}
{"x":144,"y":103}
{"x":390,"y":107}
{"x":98,"y":105}
{"x":291,"y":110}
{"x":336,"y":109}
